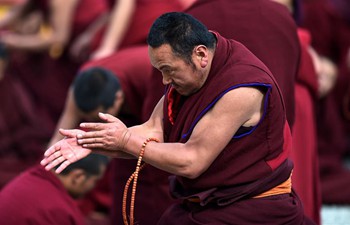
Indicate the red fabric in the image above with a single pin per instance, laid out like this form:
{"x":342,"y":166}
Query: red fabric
{"x":173,"y":101}
{"x":226,"y":74}
{"x":145,"y":13}
{"x":152,"y":196}
{"x":134,"y":71}
{"x":265,"y":28}
{"x":247,"y":155}
{"x":248,"y":212}
{"x":331,"y":38}
{"x":55,"y":74}
{"x":32,"y":96}
{"x":100,"y":198}
{"x":132,"y":67}
{"x":24,"y":129}
{"x":38,"y":197}
{"x":306,"y":74}
{"x":305,"y":179}
{"x":287,"y":148}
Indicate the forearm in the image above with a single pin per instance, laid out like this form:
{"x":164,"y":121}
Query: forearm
{"x":174,"y":158}
{"x":69,"y":118}
{"x":118,"y":23}
{"x":28,"y":43}
{"x":98,"y":24}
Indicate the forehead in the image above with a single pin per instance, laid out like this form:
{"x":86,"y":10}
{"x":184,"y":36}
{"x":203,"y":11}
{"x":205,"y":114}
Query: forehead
{"x":162,"y":54}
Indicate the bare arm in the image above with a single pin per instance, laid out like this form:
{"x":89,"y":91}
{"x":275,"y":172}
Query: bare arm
{"x":118,"y":24}
{"x":69,"y":118}
{"x":241,"y":106}
{"x":109,"y":138}
{"x":81,"y":46}
{"x":60,"y":26}
{"x":212,"y":133}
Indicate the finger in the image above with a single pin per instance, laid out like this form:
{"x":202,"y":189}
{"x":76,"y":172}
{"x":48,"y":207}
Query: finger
{"x":93,"y":126}
{"x":52,"y":149}
{"x":54,"y":163}
{"x":51,"y":161}
{"x":44,"y":161}
{"x":108,"y":117}
{"x":63,"y":166}
{"x":90,"y":135}
{"x":94,"y":145}
{"x":94,"y":140}
{"x":54,"y":156}
{"x":70,"y":133}
{"x":49,"y":166}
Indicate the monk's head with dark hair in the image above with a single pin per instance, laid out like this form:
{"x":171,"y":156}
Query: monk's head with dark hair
{"x":81,"y":176}
{"x":95,"y":87}
{"x":182,"y":32}
{"x":91,"y":164}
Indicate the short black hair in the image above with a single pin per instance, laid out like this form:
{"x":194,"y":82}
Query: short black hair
{"x":95,"y":87}
{"x":91,"y":164}
{"x":182,"y":32}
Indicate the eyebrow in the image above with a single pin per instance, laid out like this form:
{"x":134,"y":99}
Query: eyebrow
{"x":164,"y":67}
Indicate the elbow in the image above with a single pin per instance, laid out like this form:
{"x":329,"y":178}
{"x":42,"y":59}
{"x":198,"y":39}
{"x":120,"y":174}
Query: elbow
{"x":188,"y":164}
{"x":190,"y":174}
{"x":190,"y":171}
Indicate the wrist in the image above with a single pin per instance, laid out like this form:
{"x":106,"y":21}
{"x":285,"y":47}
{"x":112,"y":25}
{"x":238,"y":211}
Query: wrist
{"x":125,"y":140}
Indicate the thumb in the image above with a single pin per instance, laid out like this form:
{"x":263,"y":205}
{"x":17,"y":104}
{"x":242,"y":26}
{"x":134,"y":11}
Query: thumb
{"x":108,"y":117}
{"x":70,"y":133}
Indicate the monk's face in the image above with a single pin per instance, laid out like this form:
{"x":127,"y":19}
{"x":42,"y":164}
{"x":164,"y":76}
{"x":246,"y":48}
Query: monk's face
{"x":186,"y":78}
{"x":83,"y":183}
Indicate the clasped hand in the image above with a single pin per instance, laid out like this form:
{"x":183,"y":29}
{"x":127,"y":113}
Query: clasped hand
{"x":108,"y":138}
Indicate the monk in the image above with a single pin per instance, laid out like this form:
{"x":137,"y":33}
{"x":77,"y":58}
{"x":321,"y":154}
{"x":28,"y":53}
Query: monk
{"x":213,"y":127}
{"x":331,"y":39}
{"x":37,"y":76}
{"x":126,"y":24}
{"x":272,"y":36}
{"x":44,"y":197}
{"x":117,"y":85}
{"x":305,"y":177}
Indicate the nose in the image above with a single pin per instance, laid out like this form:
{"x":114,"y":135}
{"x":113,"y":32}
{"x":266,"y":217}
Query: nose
{"x":166,"y":80}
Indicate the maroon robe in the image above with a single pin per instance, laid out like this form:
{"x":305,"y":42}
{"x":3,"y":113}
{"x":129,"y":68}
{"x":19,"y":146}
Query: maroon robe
{"x":331,"y":38}
{"x":24,"y":129}
{"x":265,"y":28}
{"x":254,"y":161}
{"x":38,"y":197}
{"x":305,"y":177}
{"x":33,"y":93}
{"x":133,"y":69}
{"x":146,"y":11}
{"x":39,"y":71}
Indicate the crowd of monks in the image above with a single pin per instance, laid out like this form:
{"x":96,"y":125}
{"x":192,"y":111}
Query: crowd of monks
{"x":44,"y":44}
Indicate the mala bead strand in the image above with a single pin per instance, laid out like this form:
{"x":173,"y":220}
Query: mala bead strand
{"x":125,"y":195}
{"x":134,"y":178}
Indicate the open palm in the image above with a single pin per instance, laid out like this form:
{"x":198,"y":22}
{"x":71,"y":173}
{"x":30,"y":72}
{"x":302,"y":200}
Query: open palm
{"x":63,"y":153}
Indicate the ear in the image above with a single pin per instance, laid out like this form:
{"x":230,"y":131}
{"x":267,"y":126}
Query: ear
{"x":201,"y":53}
{"x":118,"y":100}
